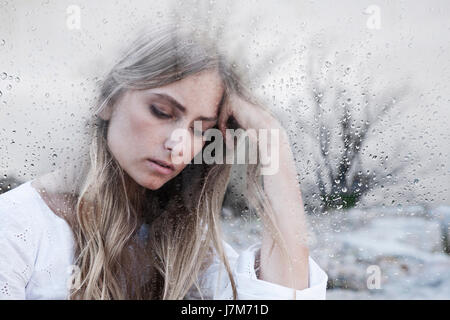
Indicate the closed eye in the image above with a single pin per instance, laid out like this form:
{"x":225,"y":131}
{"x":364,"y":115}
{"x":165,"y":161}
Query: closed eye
{"x":158,"y":112}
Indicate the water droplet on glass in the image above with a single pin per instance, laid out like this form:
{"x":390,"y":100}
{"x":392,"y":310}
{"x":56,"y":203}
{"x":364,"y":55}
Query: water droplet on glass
{"x":416,"y":181}
{"x":47,"y":94}
{"x":3,"y":76}
{"x":2,"y":42}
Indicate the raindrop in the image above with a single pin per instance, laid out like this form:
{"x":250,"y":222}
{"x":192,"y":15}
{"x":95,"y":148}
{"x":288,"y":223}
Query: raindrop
{"x":1,"y":93}
{"x":3,"y":76}
{"x":9,"y":87}
{"x":47,"y":94}
{"x":2,"y":42}
{"x":416,"y":181}
{"x":17,"y":79}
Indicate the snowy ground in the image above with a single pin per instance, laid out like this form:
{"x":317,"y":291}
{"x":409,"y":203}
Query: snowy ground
{"x":404,"y":245}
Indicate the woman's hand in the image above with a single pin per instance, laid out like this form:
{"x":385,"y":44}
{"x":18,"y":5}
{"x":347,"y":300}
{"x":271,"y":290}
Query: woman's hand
{"x":247,"y":115}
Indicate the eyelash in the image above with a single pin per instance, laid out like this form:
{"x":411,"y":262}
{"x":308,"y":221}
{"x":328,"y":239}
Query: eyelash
{"x":162,"y":115}
{"x":158,"y":113}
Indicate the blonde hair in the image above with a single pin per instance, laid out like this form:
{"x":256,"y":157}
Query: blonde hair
{"x":183,"y":215}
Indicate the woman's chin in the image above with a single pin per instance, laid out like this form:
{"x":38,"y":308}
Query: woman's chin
{"x":153,"y":183}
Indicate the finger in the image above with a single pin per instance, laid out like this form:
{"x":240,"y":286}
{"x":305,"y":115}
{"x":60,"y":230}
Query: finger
{"x":222,"y":122}
{"x":252,"y":136}
{"x":223,"y":117}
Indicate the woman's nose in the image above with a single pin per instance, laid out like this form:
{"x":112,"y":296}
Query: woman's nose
{"x":176,"y":142}
{"x":173,"y":146}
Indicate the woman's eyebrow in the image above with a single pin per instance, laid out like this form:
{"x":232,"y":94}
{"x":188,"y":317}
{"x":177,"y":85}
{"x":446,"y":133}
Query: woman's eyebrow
{"x":181,"y":107}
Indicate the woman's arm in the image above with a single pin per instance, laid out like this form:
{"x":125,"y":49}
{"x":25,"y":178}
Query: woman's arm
{"x":286,"y":199}
{"x":284,"y":195}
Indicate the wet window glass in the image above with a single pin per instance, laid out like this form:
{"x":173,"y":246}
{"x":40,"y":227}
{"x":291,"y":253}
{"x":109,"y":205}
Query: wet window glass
{"x":361,"y":91}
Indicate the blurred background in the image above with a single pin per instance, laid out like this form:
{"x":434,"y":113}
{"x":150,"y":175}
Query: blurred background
{"x":361,"y":86}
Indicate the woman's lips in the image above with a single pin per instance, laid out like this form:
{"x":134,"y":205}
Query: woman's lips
{"x":159,"y":168}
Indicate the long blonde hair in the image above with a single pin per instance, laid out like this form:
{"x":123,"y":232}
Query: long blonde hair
{"x":183,"y":216}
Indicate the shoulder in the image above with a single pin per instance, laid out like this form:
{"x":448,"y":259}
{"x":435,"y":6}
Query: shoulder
{"x":15,"y":203}
{"x":19,"y":235}
{"x":27,"y":224}
{"x":21,"y":211}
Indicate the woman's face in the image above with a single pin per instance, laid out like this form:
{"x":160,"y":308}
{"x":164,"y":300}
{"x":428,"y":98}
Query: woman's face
{"x":142,"y":122}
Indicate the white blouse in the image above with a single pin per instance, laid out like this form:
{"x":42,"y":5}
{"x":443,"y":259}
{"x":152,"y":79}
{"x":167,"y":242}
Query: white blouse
{"x":37,"y":254}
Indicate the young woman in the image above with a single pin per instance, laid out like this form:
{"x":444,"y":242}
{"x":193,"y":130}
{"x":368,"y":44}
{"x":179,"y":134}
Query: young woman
{"x":127,"y":222}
